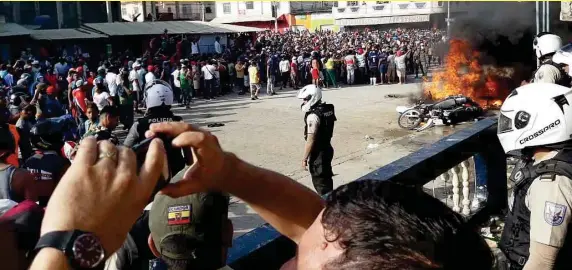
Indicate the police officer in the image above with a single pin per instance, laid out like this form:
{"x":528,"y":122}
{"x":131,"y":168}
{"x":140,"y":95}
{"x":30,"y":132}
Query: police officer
{"x":46,"y":164}
{"x":318,"y":130}
{"x":546,"y":45}
{"x":534,"y":123}
{"x":159,"y":100}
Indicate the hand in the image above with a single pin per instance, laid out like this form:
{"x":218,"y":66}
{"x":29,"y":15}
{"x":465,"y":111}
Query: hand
{"x":103,"y":195}
{"x":305,"y":164}
{"x":211,"y":164}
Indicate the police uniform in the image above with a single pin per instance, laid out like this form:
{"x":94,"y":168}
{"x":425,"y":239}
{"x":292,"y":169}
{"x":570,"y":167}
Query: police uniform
{"x":550,"y":72}
{"x":320,"y":122}
{"x":539,"y":208}
{"x":137,"y":134}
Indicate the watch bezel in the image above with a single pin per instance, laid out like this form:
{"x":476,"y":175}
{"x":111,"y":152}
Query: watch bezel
{"x":75,"y":250}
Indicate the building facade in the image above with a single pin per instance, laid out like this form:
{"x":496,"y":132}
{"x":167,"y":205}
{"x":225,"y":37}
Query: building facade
{"x":59,"y":14}
{"x":164,"y":11}
{"x":353,"y":14}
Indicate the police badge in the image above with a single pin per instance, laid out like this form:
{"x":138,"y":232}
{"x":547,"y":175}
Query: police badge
{"x":554,"y":213}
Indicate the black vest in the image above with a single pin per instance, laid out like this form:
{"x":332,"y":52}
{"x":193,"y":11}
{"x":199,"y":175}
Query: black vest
{"x":515,"y":239}
{"x":175,"y":157}
{"x":565,"y":79}
{"x":327,"y":116}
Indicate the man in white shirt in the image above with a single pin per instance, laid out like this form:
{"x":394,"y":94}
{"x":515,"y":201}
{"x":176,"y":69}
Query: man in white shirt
{"x":208,"y":74}
{"x":217,"y":46}
{"x":400,"y":66}
{"x":177,"y":83}
{"x":111,"y":83}
{"x":284,"y":66}
{"x":150,"y":75}
{"x":136,"y":82}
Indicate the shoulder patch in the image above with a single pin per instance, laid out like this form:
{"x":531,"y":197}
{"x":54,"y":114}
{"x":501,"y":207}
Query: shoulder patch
{"x":554,"y":213}
{"x":179,"y":214}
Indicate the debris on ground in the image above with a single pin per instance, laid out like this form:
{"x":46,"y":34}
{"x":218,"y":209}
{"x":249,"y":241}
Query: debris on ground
{"x":367,"y":137}
{"x":395,"y":96}
{"x":372,"y":145}
{"x":215,"y":125}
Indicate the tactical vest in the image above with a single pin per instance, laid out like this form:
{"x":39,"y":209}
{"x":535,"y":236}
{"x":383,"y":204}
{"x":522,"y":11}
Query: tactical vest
{"x":565,"y":79}
{"x":327,"y":116}
{"x":175,"y":157}
{"x":515,"y":239}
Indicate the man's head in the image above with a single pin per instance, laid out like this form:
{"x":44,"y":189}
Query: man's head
{"x":310,"y":96}
{"x":29,"y":112}
{"x":109,"y":117}
{"x":190,"y":232}
{"x":383,"y":225}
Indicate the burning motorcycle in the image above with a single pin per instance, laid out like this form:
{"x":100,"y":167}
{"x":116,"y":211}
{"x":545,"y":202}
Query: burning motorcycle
{"x":449,"y":111}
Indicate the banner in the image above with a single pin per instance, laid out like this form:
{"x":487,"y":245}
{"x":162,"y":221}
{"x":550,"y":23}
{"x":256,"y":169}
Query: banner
{"x":383,"y":20}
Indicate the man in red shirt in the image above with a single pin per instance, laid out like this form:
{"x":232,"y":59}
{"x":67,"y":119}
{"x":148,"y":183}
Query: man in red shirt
{"x":294,"y":72}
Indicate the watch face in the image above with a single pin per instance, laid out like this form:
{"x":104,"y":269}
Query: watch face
{"x":87,"y":251}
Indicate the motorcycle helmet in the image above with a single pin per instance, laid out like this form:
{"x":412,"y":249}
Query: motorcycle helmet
{"x":311,"y":95}
{"x":46,"y":135}
{"x":159,"y":93}
{"x":534,"y":115}
{"x":546,"y":43}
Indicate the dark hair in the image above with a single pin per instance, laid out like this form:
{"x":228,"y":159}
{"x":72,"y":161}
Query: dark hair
{"x":109,"y":110}
{"x":385,"y":225}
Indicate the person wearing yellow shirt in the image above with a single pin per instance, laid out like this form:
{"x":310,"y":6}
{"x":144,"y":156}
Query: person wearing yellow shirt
{"x":331,"y":71}
{"x":254,"y":77}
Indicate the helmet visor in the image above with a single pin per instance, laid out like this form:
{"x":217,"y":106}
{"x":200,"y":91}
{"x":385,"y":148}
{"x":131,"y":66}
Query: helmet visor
{"x":505,"y":124}
{"x":567,"y":48}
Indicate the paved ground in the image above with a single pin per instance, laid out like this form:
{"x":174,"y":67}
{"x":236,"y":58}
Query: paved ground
{"x":269,"y":133}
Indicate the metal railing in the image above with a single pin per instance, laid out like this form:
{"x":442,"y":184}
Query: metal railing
{"x":474,"y":151}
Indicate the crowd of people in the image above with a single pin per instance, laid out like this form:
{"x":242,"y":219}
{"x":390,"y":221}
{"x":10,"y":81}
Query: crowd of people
{"x":64,"y":174}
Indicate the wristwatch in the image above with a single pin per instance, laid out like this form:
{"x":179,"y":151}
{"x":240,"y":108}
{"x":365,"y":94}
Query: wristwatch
{"x":83,"y":249}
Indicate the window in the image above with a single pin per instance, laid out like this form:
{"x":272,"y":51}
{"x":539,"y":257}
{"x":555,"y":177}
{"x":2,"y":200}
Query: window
{"x":185,"y":10}
{"x":208,"y":10}
{"x":440,"y":3}
{"x":249,"y":4}
{"x":226,"y":8}
{"x":135,"y":10}
{"x":352,"y":3}
{"x":123,"y":11}
{"x":169,"y":10}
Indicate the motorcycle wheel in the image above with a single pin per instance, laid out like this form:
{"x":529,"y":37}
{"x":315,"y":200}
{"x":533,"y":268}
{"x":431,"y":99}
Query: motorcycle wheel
{"x":410,"y":119}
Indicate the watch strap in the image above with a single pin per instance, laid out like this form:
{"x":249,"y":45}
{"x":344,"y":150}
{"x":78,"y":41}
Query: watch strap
{"x":57,"y":239}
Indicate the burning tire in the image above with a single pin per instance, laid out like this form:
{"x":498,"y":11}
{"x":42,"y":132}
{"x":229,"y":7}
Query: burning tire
{"x":410,"y":119}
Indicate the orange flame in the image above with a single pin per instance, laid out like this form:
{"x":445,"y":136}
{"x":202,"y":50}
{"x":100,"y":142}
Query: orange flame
{"x":464,"y":75}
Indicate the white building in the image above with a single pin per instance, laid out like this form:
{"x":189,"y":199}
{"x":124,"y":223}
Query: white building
{"x":361,"y":13}
{"x":194,"y":11}
{"x":248,"y":11}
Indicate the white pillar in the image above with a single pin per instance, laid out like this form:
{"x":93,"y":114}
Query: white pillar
{"x":37,"y":8}
{"x":78,"y":10}
{"x":177,"y":10}
{"x":16,"y":11}
{"x":455,"y":182}
{"x":109,"y":11}
{"x":60,"y":13}
{"x":153,"y":10}
{"x":465,"y":181}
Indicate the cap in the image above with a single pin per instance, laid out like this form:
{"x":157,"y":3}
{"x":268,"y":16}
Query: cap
{"x":136,"y":65}
{"x":97,"y":80}
{"x":188,"y":227}
{"x":50,"y":90}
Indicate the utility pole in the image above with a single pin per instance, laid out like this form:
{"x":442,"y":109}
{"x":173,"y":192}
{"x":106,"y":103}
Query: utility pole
{"x":202,"y":11}
{"x":275,"y":7}
{"x":448,"y":20}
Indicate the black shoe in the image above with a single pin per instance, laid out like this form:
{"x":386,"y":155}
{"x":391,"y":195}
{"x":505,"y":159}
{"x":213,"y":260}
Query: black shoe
{"x":256,"y":97}
{"x":252,"y":98}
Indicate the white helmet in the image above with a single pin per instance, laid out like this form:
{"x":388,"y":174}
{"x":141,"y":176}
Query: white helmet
{"x":311,"y":94}
{"x":158,"y":93}
{"x":535,"y":114}
{"x":546,"y":43}
{"x":564,"y":56}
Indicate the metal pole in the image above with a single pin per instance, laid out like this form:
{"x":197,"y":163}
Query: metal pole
{"x":547,"y":16}
{"x":537,"y":17}
{"x":448,"y":19}
{"x":274,"y":4}
{"x":545,"y":20}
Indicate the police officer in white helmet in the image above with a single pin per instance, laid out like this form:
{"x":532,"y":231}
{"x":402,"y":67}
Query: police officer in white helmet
{"x":546,"y":45}
{"x":158,"y":102}
{"x":535,"y":123}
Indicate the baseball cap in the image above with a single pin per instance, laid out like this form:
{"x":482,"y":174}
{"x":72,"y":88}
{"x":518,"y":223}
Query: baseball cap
{"x":189,"y":227}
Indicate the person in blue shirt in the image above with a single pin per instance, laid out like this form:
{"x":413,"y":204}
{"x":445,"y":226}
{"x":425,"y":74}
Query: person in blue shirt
{"x":383,"y":65}
{"x":373,"y":63}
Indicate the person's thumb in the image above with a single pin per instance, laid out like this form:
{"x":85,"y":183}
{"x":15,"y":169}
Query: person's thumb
{"x":182,"y":188}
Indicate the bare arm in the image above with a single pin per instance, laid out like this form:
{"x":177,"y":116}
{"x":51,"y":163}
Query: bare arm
{"x":308,"y":146}
{"x":287,"y":205}
{"x":50,"y":258}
